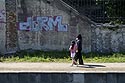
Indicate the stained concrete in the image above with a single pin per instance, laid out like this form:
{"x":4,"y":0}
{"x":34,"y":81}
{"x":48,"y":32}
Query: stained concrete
{"x":103,"y":38}
{"x":62,"y":73}
{"x":88,"y":67}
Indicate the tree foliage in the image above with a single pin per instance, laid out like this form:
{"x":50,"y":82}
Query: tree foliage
{"x":114,"y":9}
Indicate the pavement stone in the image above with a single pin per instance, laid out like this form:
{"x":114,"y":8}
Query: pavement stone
{"x":62,"y":67}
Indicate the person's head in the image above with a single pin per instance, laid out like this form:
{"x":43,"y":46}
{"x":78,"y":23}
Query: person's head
{"x":77,"y":39}
{"x":72,"y":42}
{"x":79,"y":36}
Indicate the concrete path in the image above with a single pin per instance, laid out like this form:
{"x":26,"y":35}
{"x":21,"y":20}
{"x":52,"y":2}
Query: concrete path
{"x":61,"y":67}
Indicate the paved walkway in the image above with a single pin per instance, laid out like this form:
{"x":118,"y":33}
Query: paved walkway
{"x":61,"y":67}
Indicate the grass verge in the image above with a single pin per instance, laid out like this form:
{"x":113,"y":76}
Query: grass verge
{"x":61,"y":56}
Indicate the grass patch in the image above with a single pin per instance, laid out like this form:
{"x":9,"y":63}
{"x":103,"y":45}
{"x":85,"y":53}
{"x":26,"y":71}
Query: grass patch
{"x":61,"y":56}
{"x":37,"y":56}
{"x":105,"y":58}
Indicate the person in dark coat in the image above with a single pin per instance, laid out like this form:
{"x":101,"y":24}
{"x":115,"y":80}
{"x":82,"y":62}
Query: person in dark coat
{"x":79,"y":49}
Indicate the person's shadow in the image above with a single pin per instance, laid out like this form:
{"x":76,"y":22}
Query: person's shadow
{"x":90,"y":66}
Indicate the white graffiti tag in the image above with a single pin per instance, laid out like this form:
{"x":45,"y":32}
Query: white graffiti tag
{"x":43,"y":23}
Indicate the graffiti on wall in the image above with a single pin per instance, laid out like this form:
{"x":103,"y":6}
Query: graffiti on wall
{"x":2,"y":16}
{"x":43,"y":24}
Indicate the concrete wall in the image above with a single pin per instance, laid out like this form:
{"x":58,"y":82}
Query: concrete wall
{"x":46,"y":77}
{"x":51,"y":25}
{"x":43,"y":36}
{"x":60,"y":26}
{"x":107,"y":39}
{"x":11,"y":26}
{"x":2,"y":26}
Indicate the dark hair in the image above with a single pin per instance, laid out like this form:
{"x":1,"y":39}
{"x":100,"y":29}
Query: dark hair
{"x":79,"y":43}
{"x":72,"y":43}
{"x":79,"y":36}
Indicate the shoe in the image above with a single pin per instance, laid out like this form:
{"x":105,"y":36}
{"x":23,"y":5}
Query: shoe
{"x":74,"y":63}
{"x":71,"y":65}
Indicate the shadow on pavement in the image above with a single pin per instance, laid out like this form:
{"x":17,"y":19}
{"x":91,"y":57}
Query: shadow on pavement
{"x":90,"y":66}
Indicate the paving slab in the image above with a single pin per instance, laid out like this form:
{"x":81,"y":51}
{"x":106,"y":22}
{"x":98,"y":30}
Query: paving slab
{"x":62,"y":67}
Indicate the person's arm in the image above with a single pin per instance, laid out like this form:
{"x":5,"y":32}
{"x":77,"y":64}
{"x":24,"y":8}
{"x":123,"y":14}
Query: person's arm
{"x":79,"y":45}
{"x":70,"y":48}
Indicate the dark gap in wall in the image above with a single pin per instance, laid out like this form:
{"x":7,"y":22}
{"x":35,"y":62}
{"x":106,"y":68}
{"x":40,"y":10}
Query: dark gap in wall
{"x":48,"y":2}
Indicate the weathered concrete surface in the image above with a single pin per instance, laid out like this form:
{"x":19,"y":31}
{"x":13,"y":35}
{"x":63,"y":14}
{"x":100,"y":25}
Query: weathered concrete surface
{"x":52,"y":40}
{"x":62,"y":73}
{"x":88,"y":67}
{"x":48,"y":39}
{"x":107,"y":39}
{"x":95,"y":38}
{"x":51,"y":25}
{"x":2,"y":26}
{"x":11,"y":26}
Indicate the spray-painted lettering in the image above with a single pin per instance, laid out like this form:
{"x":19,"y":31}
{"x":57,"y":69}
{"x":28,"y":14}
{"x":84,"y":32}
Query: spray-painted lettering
{"x":44,"y":24}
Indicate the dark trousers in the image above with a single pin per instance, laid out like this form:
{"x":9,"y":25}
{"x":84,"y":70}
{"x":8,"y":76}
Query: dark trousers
{"x":79,"y":56}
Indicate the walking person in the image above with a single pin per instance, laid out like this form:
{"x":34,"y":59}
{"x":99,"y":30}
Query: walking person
{"x":79,"y":49}
{"x":72,"y":49}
